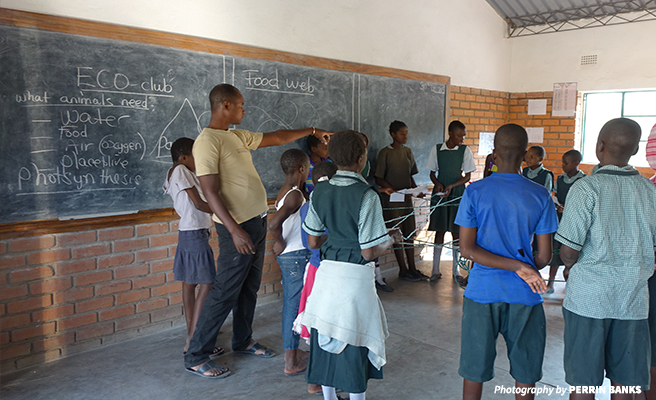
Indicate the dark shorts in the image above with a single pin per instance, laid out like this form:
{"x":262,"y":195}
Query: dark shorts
{"x":194,"y":258}
{"x":524,"y":329}
{"x":621,"y":347}
{"x":652,"y":318}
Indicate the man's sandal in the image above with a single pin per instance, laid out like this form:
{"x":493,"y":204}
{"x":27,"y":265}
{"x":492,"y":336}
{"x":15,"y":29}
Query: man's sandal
{"x":268,"y":353}
{"x":223,"y":371}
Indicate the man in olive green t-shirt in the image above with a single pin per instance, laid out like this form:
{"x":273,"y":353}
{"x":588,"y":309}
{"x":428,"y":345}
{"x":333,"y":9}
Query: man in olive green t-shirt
{"x":238,"y":201}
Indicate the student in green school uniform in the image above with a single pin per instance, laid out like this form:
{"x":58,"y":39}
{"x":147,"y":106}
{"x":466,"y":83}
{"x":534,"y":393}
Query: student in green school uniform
{"x":572,"y":173}
{"x":346,"y":319}
{"x":395,"y":166}
{"x":608,"y":236}
{"x":450,"y":165}
{"x":535,"y":171}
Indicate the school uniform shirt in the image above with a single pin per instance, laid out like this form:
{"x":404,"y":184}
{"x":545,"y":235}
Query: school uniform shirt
{"x":396,"y":166}
{"x":610,"y":219}
{"x":371,"y":225}
{"x":563,"y":184}
{"x":227,"y":153}
{"x":191,"y":218}
{"x":540,"y":175}
{"x":507,"y":210}
{"x":468,"y":164}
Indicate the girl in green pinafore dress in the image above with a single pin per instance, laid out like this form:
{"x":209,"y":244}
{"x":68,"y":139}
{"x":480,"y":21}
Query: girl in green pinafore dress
{"x":348,"y":326}
{"x":451,"y":165}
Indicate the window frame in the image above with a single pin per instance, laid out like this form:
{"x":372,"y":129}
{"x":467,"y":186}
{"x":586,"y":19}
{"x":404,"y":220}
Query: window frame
{"x":584,"y":109}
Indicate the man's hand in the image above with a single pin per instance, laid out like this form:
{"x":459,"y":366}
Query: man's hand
{"x":278,"y":247}
{"x":242,"y":241}
{"x":387,"y":190}
{"x":566,"y":273}
{"x":533,"y":278}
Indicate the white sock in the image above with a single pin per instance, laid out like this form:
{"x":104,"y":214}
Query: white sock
{"x":357,"y":396}
{"x":456,"y":253}
{"x":379,"y":276}
{"x":437,"y":254}
{"x":328,"y":393}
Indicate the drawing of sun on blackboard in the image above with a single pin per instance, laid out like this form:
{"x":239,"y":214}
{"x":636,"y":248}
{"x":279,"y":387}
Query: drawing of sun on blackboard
{"x":185,"y":123}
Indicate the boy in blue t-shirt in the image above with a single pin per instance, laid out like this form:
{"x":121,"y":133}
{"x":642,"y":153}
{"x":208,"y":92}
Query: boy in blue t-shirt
{"x":498,"y":218}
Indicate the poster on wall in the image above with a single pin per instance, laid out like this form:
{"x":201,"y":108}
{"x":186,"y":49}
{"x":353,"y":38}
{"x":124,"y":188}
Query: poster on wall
{"x":537,"y":107}
{"x":564,"y":99}
{"x":485,"y":143}
{"x":535,"y":135}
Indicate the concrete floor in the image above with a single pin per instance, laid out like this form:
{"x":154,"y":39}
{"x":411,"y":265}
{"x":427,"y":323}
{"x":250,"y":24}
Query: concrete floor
{"x":423,"y":355}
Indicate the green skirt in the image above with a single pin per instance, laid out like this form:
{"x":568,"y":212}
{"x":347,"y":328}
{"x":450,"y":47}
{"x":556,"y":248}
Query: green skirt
{"x":443,"y":218}
{"x":348,"y":371}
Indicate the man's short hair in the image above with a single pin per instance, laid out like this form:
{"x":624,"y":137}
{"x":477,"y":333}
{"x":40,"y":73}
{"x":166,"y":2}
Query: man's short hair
{"x":346,"y":147}
{"x":221,"y":93}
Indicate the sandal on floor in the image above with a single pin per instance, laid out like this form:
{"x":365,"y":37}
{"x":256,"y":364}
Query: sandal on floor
{"x":223,"y":371}
{"x":217,"y":351}
{"x":268,"y":353}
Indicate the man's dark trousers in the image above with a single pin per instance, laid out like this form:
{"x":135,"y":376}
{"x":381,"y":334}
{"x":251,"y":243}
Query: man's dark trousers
{"x":235,"y":289}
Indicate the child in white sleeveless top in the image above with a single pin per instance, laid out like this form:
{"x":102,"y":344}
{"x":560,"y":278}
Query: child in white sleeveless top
{"x":292,"y":256}
{"x":194,"y":258}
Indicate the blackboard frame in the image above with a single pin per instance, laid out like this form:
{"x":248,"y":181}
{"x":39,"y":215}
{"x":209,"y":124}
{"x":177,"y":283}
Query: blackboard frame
{"x":110,"y":31}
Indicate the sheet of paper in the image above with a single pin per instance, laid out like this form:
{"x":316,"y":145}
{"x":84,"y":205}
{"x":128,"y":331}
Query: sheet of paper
{"x":485,"y":143}
{"x":415,"y":192}
{"x":564,"y":99}
{"x":535,"y":135}
{"x":537,"y":107}
{"x":397,"y":197}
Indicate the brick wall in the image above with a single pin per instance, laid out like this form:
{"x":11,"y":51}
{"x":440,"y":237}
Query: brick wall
{"x":481,"y":111}
{"x":64,"y":293}
{"x":558,"y":131}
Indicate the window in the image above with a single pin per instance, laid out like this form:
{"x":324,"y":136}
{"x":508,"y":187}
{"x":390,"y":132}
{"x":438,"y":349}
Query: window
{"x":598,"y":108}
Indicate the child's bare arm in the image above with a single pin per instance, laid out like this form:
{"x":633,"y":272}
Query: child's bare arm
{"x":292,"y":202}
{"x":193,"y":194}
{"x":545,"y":250}
{"x":376,"y":251}
{"x":438,"y":185}
{"x":469,"y":249}
{"x":315,"y":242}
{"x":457,"y":183}
{"x":241,"y":239}
{"x":569,"y":256}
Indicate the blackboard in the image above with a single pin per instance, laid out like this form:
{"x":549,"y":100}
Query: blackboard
{"x":87,"y":123}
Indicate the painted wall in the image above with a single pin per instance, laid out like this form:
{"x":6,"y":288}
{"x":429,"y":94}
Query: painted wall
{"x":462,"y":39}
{"x":625,"y":59}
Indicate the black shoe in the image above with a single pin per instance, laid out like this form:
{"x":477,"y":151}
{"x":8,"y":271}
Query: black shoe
{"x":420,"y":275}
{"x":410,"y":277}
{"x":384,"y":286}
